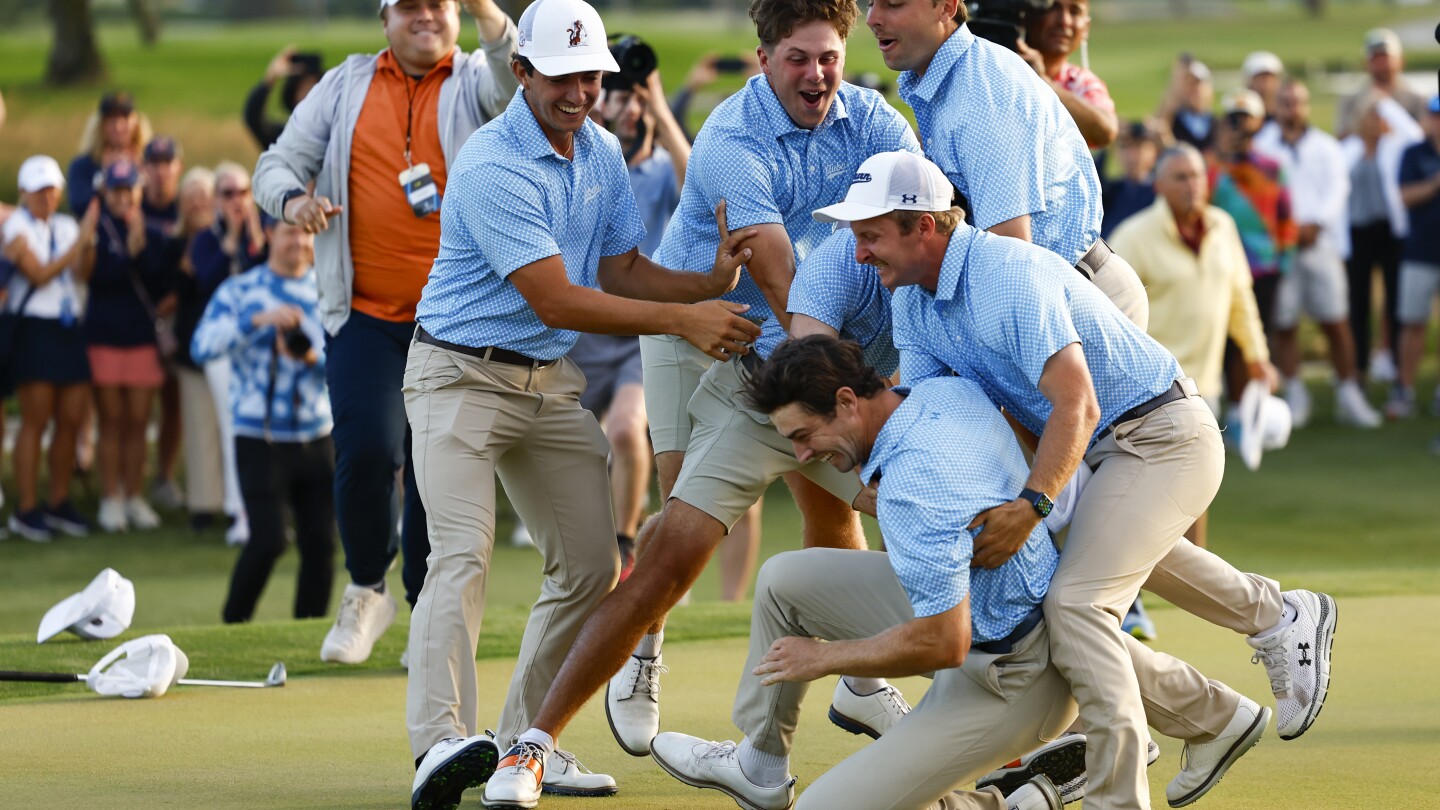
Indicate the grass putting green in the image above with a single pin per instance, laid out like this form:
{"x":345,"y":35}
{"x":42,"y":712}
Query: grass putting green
{"x":339,"y":741}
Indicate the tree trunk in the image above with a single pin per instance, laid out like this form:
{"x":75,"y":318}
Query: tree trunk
{"x":74,"y":58}
{"x":148,"y":19}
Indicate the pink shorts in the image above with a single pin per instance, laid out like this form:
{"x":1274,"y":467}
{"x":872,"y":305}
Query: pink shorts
{"x":126,"y":367}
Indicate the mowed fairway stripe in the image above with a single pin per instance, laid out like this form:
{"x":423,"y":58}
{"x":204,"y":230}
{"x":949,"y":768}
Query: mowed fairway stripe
{"x":340,"y":741}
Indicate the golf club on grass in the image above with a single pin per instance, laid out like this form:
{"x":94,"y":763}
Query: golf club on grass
{"x":143,"y":667}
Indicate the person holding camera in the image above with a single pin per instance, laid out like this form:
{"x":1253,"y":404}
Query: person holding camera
{"x":1051,"y":36}
{"x":266,"y":324}
{"x":1004,"y":139}
{"x":376,"y":136}
{"x":301,"y":72}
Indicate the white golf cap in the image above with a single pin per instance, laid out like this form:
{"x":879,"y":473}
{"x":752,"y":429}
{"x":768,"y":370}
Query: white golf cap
{"x":1265,"y":423}
{"x":560,"y":37}
{"x":1381,"y":40}
{"x":40,"y":171}
{"x":891,"y":181}
{"x":1199,"y":71}
{"x":141,"y":667}
{"x":1243,"y":101}
{"x":103,"y":610}
{"x":1262,"y":62}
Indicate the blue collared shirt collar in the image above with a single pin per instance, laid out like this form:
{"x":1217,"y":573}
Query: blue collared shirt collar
{"x":887,"y":441}
{"x":525,"y":132}
{"x":777,"y":122}
{"x":925,"y":88}
{"x":952,"y":267}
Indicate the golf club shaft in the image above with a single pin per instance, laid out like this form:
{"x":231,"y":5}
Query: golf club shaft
{"x":203,"y":682}
{"x":40,"y":677}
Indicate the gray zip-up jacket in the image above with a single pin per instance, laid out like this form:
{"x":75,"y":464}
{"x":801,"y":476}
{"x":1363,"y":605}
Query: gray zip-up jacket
{"x":316,"y":146}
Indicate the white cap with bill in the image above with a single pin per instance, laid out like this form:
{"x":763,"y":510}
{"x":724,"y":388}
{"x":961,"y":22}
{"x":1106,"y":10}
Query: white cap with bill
{"x":560,"y":37}
{"x":891,"y":181}
{"x":103,"y":610}
{"x":1262,"y":62}
{"x":40,"y":171}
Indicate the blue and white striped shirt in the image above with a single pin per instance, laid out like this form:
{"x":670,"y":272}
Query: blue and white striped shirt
{"x":1001,"y":135}
{"x":296,"y":407}
{"x":944,"y":456}
{"x":510,"y":201}
{"x":770,"y":171}
{"x":1002,"y":308}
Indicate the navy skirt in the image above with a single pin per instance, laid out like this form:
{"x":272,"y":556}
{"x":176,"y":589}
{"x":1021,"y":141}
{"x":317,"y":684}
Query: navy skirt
{"x":46,"y":351}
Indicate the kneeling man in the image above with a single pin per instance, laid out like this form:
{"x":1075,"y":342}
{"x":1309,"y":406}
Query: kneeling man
{"x":940,"y":454}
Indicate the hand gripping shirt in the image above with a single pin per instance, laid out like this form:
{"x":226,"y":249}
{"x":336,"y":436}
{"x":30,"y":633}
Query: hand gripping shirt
{"x":511,"y":201}
{"x":944,"y":456}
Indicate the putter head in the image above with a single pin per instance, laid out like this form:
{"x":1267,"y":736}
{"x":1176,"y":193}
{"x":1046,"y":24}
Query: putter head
{"x":277,"y":675}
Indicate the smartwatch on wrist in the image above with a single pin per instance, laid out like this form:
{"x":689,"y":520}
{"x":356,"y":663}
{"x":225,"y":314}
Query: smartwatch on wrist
{"x":1038,"y":500}
{"x":285,"y":201}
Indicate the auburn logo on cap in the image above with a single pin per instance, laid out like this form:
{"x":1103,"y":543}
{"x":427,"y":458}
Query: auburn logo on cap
{"x":577,"y":34}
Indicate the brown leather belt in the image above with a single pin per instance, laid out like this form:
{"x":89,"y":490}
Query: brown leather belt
{"x":1094,"y":259}
{"x":492,"y":353}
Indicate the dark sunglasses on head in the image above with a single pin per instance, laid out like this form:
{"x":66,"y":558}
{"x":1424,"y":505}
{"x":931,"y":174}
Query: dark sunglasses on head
{"x":232,"y":193}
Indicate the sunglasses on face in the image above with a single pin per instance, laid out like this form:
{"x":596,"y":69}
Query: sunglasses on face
{"x":232,"y":193}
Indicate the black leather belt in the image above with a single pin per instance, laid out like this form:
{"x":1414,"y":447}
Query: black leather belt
{"x":494,"y":353}
{"x":752,"y":361}
{"x":1094,"y":259}
{"x":1175,"y":392}
{"x":1005,"y":646}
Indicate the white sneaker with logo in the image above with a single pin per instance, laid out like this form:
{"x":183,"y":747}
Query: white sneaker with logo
{"x":1203,"y":764}
{"x":632,"y":703}
{"x":716,"y":766}
{"x":1297,"y":659}
{"x":364,"y":615}
{"x":871,"y":715}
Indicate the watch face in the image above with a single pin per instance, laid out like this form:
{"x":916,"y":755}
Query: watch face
{"x":1044,"y":505}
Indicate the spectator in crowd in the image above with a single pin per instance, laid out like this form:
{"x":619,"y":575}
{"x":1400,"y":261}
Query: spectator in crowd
{"x":113,"y":132}
{"x":48,"y":364}
{"x":706,"y":70}
{"x":367,"y":122}
{"x":1190,"y":257}
{"x":232,"y":244}
{"x":1184,"y":109}
{"x":197,"y":202}
{"x":1319,"y":185}
{"x":1385,"y":62}
{"x":266,"y":324}
{"x":162,"y":169}
{"x":300,"y":72}
{"x":1135,"y":190}
{"x":1250,"y":187}
{"x":127,"y":276}
{"x":1262,"y":71}
{"x":1050,"y":39}
{"x":1378,"y":224}
{"x":1420,"y":260}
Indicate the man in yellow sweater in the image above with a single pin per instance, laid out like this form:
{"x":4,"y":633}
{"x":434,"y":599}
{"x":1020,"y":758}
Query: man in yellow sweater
{"x":1188,"y":254}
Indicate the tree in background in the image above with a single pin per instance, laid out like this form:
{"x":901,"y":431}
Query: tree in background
{"x":75,"y":57}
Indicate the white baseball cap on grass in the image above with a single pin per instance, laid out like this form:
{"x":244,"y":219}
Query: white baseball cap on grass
{"x":103,"y":610}
{"x":891,"y":181}
{"x":40,"y":171}
{"x":561,"y":37}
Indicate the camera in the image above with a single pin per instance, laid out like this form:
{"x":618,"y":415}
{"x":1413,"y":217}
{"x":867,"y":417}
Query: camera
{"x":1003,"y":21}
{"x":635,"y":58}
{"x":297,"y":343}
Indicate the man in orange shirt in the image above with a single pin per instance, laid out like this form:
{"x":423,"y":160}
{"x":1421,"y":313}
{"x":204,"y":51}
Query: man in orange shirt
{"x":375,"y":137}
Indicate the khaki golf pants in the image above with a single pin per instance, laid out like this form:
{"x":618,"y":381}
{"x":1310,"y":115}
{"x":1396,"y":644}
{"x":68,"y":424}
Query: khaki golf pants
{"x":973,"y":719}
{"x":472,"y":419}
{"x":1153,"y":476}
{"x":1122,"y":285}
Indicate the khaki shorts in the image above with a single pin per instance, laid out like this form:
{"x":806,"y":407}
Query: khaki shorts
{"x":1419,"y":284}
{"x":1316,"y":283}
{"x":735,"y":453}
{"x":671,"y":373}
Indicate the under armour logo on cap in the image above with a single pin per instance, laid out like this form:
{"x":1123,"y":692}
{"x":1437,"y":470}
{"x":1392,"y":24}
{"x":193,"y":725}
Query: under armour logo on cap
{"x":908,"y":199}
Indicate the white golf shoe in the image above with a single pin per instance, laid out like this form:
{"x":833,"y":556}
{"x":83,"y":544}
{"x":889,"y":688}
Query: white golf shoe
{"x":451,"y":767}
{"x":1062,"y":761}
{"x":1036,"y":794}
{"x":1203,"y":764}
{"x":872,"y":714}
{"x":1297,"y":659}
{"x":365,"y":614}
{"x":565,"y":776}
{"x":632,"y":703}
{"x":715,"y":766}
{"x":1351,"y":407}
{"x":1297,"y":396}
{"x":140,"y":515}
{"x":112,"y":515}
{"x":517,"y":779}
